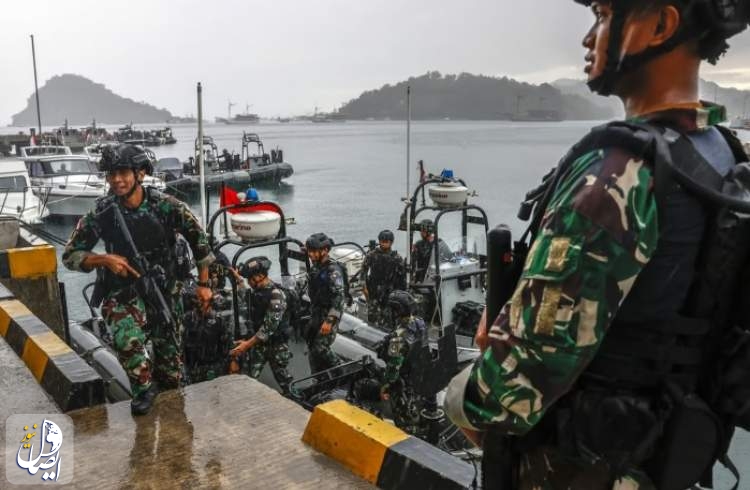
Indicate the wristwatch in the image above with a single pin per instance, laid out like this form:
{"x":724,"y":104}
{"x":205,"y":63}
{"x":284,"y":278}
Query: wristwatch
{"x":203,"y":284}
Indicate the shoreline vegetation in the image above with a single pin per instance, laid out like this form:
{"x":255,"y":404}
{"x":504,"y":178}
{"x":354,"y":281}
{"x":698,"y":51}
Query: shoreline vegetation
{"x":435,"y":97}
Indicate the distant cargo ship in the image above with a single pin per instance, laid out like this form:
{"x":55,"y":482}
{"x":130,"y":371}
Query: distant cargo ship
{"x":246,"y":118}
{"x":538,"y":115}
{"x":239,"y":119}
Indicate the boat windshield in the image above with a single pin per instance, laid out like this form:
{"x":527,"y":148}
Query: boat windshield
{"x":12,"y":183}
{"x":169,"y":163}
{"x":62,"y":167}
{"x":453,"y":246}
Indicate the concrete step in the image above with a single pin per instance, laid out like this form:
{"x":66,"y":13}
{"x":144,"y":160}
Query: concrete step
{"x":232,"y":432}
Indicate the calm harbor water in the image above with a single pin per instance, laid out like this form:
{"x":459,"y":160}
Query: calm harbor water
{"x":350,"y":177}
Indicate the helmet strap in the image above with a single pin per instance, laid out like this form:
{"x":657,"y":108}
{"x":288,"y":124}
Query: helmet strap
{"x":132,"y":189}
{"x":604,"y":83}
{"x":619,"y":63}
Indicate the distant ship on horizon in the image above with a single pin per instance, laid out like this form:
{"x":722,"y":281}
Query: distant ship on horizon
{"x":246,"y":118}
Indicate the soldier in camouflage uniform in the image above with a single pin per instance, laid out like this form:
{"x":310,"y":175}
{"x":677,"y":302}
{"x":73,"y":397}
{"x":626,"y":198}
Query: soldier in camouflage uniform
{"x":153,"y":220}
{"x":423,"y":251}
{"x":405,"y":404}
{"x":207,"y":338}
{"x":599,"y":259}
{"x":383,"y":271}
{"x":269,"y":320}
{"x":327,"y":296}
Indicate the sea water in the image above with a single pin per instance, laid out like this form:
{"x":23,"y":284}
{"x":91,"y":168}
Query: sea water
{"x":350,"y":178}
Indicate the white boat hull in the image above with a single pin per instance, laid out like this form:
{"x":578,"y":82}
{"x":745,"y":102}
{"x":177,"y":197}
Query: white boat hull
{"x":70,"y":205}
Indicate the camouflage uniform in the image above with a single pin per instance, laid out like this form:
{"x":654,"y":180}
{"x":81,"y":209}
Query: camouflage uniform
{"x":124,"y":312}
{"x":327,"y":297}
{"x":597,"y":234}
{"x":383,"y":272}
{"x":405,"y":404}
{"x":423,"y":252}
{"x":273,"y":347}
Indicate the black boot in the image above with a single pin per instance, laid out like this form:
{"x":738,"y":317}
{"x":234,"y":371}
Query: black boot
{"x":141,"y":404}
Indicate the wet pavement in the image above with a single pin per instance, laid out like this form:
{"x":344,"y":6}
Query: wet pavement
{"x":232,"y":432}
{"x":19,"y":391}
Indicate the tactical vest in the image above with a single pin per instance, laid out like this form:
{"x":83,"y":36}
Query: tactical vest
{"x":259,"y":302}
{"x":205,"y":340}
{"x":383,"y":267}
{"x":319,"y":288}
{"x":415,"y":332}
{"x":665,"y":388}
{"x":151,"y":237}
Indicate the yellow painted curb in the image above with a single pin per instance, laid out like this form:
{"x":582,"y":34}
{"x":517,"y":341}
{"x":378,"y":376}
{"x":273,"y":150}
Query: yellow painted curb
{"x":29,"y":262}
{"x":351,"y":436}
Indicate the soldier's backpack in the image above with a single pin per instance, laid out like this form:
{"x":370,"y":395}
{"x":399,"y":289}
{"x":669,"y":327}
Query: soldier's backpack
{"x":345,"y":277}
{"x":713,"y":333}
{"x":297,"y":314}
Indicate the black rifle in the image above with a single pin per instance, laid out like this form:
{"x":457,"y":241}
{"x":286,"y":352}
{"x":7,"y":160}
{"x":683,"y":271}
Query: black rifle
{"x":499,"y":458}
{"x":147,"y":284}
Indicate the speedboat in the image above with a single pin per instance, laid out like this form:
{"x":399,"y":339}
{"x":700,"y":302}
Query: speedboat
{"x":68,"y":185}
{"x":16,"y":194}
{"x":252,"y":166}
{"x":450,"y":298}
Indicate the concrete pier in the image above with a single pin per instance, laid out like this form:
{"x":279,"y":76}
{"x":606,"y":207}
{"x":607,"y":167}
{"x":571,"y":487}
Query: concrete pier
{"x":232,"y":432}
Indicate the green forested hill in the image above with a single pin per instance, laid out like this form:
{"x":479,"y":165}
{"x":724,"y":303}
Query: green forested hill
{"x":79,"y":100}
{"x":467,"y":96}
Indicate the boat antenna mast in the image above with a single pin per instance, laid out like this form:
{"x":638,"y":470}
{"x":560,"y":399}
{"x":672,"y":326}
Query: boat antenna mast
{"x":36,"y":88}
{"x":230,"y":104}
{"x":201,"y":170}
{"x":407,"y":200}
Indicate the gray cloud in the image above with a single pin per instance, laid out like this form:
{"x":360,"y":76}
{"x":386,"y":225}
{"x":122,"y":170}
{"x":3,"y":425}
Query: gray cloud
{"x":288,"y":56}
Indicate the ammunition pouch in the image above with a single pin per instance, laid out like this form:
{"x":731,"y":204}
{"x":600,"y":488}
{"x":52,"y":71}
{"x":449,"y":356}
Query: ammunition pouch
{"x":732,"y":387}
{"x":621,"y":428}
{"x":691,"y":441}
{"x":674,"y":437}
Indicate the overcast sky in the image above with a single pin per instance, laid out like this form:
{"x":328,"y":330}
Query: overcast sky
{"x":285,"y":57}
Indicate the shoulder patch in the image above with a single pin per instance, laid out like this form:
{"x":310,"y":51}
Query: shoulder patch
{"x":336,"y":278}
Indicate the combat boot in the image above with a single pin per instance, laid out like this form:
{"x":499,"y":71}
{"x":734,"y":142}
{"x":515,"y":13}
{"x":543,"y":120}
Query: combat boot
{"x":141,"y":404}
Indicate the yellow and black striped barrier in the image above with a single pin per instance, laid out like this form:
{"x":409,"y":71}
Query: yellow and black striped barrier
{"x":28,"y":262}
{"x":380,"y":452}
{"x":69,"y":380}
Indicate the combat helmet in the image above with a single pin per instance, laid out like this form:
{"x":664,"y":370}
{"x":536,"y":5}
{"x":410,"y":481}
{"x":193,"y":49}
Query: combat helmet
{"x":711,"y":22}
{"x":427,"y":225}
{"x":255,"y":266}
{"x":401,"y":303}
{"x":386,"y":235}
{"x":124,"y":156}
{"x":318,"y":241}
